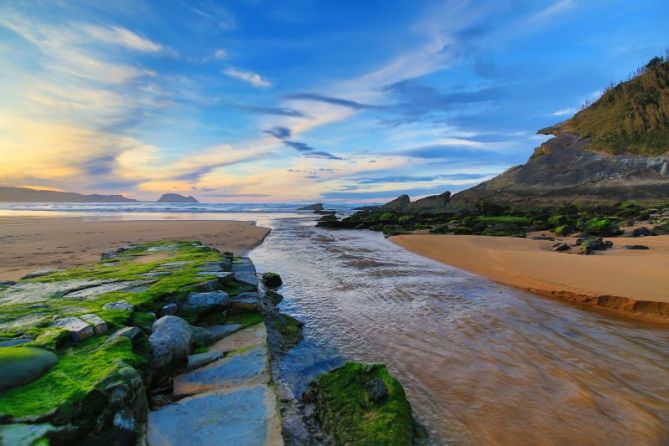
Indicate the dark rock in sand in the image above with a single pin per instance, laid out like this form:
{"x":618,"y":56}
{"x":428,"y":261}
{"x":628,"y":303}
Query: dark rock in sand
{"x":560,"y":247}
{"x":641,"y":247}
{"x":642,"y":232}
{"x":594,"y":244}
{"x":202,"y":337}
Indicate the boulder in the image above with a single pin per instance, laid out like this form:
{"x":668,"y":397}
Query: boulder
{"x":642,"y":232}
{"x":77,"y":328}
{"x":205,"y":301}
{"x":98,"y":324}
{"x":593,"y":244}
{"x":122,"y":305}
{"x":272,"y":280}
{"x":21,"y":365}
{"x":221,"y":331}
{"x":245,"y":302}
{"x":170,"y":342}
{"x":640,"y":247}
{"x":560,"y":247}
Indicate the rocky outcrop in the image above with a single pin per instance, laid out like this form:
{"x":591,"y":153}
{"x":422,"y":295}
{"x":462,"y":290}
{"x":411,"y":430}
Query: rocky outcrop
{"x":312,"y":207}
{"x":399,"y":204}
{"x":176,"y":198}
{"x":170,"y":342}
{"x":565,"y":170}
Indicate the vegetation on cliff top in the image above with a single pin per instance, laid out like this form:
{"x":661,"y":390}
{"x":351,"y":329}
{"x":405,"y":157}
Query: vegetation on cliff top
{"x":631,"y":117}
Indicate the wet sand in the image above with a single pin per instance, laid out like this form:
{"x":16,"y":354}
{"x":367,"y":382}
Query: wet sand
{"x":29,"y":244}
{"x":627,"y":282}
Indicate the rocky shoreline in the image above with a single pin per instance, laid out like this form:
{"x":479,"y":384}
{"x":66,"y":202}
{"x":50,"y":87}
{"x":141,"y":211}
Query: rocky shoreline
{"x":172,"y":342}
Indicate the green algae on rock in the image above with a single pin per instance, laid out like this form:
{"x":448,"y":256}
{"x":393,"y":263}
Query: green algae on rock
{"x":97,"y":386}
{"x":353,"y":406}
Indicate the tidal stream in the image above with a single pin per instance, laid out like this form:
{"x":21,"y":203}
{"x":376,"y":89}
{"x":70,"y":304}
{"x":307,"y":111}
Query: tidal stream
{"x":481,"y":363}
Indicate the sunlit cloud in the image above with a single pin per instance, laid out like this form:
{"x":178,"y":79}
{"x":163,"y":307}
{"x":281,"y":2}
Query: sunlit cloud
{"x":247,"y":76}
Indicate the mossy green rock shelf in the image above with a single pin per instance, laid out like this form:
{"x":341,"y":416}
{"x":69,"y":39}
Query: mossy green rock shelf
{"x":351,"y":407}
{"x":20,"y":365}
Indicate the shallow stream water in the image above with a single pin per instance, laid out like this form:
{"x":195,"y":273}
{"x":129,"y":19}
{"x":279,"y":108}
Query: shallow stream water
{"x":481,"y":363}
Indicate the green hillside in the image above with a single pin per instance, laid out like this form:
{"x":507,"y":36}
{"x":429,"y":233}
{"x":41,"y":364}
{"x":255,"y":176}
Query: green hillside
{"x":632,"y":117}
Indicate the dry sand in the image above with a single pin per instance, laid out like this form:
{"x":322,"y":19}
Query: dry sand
{"x":628,"y":282}
{"x":29,"y":244}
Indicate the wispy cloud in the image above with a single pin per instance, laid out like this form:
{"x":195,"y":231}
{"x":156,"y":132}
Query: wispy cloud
{"x":117,"y":35}
{"x":220,"y":54}
{"x":564,"y":112}
{"x":247,"y":76}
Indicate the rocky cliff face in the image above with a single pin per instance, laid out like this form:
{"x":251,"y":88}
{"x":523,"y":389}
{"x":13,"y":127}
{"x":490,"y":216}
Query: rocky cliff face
{"x":613,"y":150}
{"x":564,"y":169}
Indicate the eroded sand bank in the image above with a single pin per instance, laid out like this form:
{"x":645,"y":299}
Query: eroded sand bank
{"x":628,"y":282}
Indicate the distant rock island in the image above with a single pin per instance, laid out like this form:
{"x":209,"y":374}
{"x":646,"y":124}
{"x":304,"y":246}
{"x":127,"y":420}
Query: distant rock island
{"x":312,"y":207}
{"x":22,"y":194}
{"x":176,"y":198}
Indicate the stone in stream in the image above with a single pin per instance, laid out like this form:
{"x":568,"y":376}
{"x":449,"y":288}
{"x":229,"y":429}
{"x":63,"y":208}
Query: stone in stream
{"x":170,"y":342}
{"x":272,"y":280}
{"x":202,"y":359}
{"x":205,"y":301}
{"x":241,"y":417}
{"x":77,"y":328}
{"x":21,"y":365}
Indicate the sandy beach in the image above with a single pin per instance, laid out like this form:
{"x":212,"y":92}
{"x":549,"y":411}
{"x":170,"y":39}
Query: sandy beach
{"x":627,"y":282}
{"x":29,"y":244}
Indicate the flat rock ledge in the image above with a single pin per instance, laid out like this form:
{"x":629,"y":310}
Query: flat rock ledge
{"x":224,"y":396}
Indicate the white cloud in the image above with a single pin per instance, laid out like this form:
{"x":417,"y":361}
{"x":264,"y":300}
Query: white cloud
{"x":564,"y":112}
{"x":247,"y":76}
{"x":220,"y":54}
{"x":556,"y":8}
{"x":117,"y":35}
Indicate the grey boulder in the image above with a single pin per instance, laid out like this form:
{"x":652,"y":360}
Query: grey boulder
{"x":204,"y":301}
{"x":170,"y":342}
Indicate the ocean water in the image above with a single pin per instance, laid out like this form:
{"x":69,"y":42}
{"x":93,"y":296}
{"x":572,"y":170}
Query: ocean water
{"x":481,"y":363}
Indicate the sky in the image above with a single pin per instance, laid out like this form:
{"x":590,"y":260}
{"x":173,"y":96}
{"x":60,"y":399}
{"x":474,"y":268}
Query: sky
{"x":300,"y":100}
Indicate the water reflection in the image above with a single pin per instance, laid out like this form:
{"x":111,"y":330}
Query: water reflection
{"x":482,"y":363}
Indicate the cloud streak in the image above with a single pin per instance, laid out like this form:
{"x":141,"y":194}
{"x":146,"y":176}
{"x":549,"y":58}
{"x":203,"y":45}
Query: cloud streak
{"x":249,"y":77}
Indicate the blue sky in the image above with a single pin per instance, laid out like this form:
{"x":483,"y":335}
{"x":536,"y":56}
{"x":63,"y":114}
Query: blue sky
{"x":303,"y":100}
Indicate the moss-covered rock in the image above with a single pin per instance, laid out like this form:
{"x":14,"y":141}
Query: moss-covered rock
{"x":272,"y":280}
{"x":96,"y":387}
{"x":363,"y":405}
{"x":20,"y":365}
